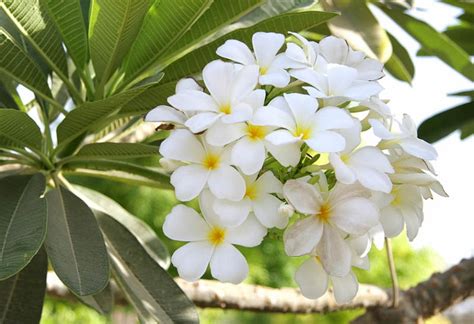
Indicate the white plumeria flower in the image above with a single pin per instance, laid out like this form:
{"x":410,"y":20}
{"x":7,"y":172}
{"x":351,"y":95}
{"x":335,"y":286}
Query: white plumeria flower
{"x":338,"y":84}
{"x":266,"y":46}
{"x":403,"y":206}
{"x":206,"y":165}
{"x":405,"y":138}
{"x":228,"y":88}
{"x":368,"y":164}
{"x":250,"y":149}
{"x":377,"y":107}
{"x":258,"y":199}
{"x":170,"y":165}
{"x":332,"y":215}
{"x":211,"y":242}
{"x":305,"y":56}
{"x":300,"y":120}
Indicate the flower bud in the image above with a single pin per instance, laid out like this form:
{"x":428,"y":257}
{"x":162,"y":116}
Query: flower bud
{"x":285,"y":210}
{"x":169,"y":165}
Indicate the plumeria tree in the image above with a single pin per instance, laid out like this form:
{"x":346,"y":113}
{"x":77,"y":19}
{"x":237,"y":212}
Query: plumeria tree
{"x":264,"y":128}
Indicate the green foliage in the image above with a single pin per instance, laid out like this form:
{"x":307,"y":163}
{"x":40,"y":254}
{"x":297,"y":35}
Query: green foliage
{"x":400,"y":64}
{"x":27,"y":135}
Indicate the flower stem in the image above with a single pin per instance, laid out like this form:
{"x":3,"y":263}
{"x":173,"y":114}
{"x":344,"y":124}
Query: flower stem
{"x":393,"y":273}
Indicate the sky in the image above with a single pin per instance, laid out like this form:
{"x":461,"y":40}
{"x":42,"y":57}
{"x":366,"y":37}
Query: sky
{"x":449,"y":222}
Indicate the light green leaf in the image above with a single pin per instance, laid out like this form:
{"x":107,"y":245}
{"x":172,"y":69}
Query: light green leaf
{"x":468,"y":93}
{"x":75,"y":244}
{"x":434,"y":42}
{"x":446,"y":122}
{"x":17,"y":129}
{"x":400,"y":64}
{"x":116,"y":151}
{"x":32,"y":19}
{"x":114,"y":25}
{"x":90,"y":115}
{"x":18,"y":65}
{"x":23,"y":218}
{"x":22,"y":296}
{"x":102,"y":302}
{"x":196,"y":60}
{"x":359,"y":27}
{"x":67,"y":15}
{"x":155,"y":248}
{"x":153,"y":293}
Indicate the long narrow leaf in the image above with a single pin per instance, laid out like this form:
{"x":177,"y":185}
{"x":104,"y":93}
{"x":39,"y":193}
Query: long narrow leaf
{"x":116,"y":151}
{"x":400,"y":64}
{"x":17,"y":129}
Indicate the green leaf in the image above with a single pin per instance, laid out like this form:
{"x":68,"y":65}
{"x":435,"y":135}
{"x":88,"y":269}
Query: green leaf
{"x":193,"y":62}
{"x":67,"y":15}
{"x":155,"y":248}
{"x":116,"y":151}
{"x":17,"y":129}
{"x":359,"y":27}
{"x":91,"y":115}
{"x":114,"y":25}
{"x":18,"y":65}
{"x":32,"y":20}
{"x":446,"y":122}
{"x":469,"y":93}
{"x":102,"y":302}
{"x":467,"y":6}
{"x":463,"y":36}
{"x":167,"y":33}
{"x":75,"y":244}
{"x":22,"y":296}
{"x":7,"y":98}
{"x":23,"y":218}
{"x":434,"y":42}
{"x":153,"y":293}
{"x":400,"y":64}
{"x":467,"y":129}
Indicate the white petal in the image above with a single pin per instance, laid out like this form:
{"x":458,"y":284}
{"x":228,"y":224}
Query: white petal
{"x":200,"y":122}
{"x":326,"y":141}
{"x":313,"y":92}
{"x":165,"y":114}
{"x":335,"y":253}
{"x":236,"y":51}
{"x":185,"y":224}
{"x":313,"y":78}
{"x":248,"y":155}
{"x":412,"y":222}
{"x":312,"y":279}
{"x":362,"y":90}
{"x":302,"y":106}
{"x":286,"y":154}
{"x":187,"y":84}
{"x":272,"y":116}
{"x":268,"y":183}
{"x":188,"y":181}
{"x":193,"y":100}
{"x":333,"y":118}
{"x":218,"y":77}
{"x":266,"y":210}
{"x":221,"y":134}
{"x":256,"y":99}
{"x":232,"y":213}
{"x":304,"y":197}
{"x":360,"y":244}
{"x":302,"y":237}
{"x":266,"y":46}
{"x":282,"y":137}
{"x":207,"y":202}
{"x":296,"y":53}
{"x":334,"y":49}
{"x":277,"y":78}
{"x":343,"y":173}
{"x":245,"y":82}
{"x":240,"y":113}
{"x":372,"y":157}
{"x":355,"y":215}
{"x":340,"y":78}
{"x":345,"y":288}
{"x":392,"y":221}
{"x":380,"y":130}
{"x":373,"y":179}
{"x":192,"y":259}
{"x":419,"y":148}
{"x":226,"y":183}
{"x":369,"y":69}
{"x":250,"y":233}
{"x":228,"y":264}
{"x":182,"y":145}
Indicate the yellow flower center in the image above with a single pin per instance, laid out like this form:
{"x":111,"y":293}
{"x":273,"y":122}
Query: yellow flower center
{"x":216,"y":235}
{"x":251,"y":191}
{"x":226,"y":109}
{"x":256,"y":133}
{"x":345,"y":158}
{"x":303,"y":132}
{"x":324,"y":213}
{"x":397,"y":200}
{"x":263,"y":70}
{"x":211,"y":161}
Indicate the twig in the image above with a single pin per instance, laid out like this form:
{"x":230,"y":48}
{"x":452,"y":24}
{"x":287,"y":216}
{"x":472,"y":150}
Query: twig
{"x":393,"y":273}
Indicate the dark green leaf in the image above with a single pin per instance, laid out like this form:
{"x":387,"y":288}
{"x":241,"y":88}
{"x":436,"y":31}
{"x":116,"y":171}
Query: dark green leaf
{"x":102,"y":302}
{"x":75,"y":244}
{"x":463,"y":36}
{"x":116,"y":151}
{"x":466,"y":5}
{"x":446,"y":122}
{"x":463,"y":94}
{"x":114,"y":25}
{"x":467,"y":129}
{"x":149,"y":288}
{"x":23,"y":218}
{"x":22,"y":296}
{"x":17,"y":129}
{"x":400,"y":64}
{"x":196,"y":60}
{"x":6,"y":98}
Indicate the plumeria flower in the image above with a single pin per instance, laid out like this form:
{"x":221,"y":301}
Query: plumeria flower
{"x":211,"y":242}
{"x":331,"y":216}
{"x":377,"y":107}
{"x":403,"y":206}
{"x":266,"y":46}
{"x":250,"y":147}
{"x":305,"y":56}
{"x":206,"y":165}
{"x":258,"y":199}
{"x":228,"y":88}
{"x":299,"y":120}
{"x":405,"y":138}
{"x":368,"y":164}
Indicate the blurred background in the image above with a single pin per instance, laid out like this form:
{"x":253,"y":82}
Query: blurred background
{"x":446,"y":235}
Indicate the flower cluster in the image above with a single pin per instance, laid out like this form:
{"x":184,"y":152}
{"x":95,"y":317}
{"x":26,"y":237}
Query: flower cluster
{"x":270,"y":137}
